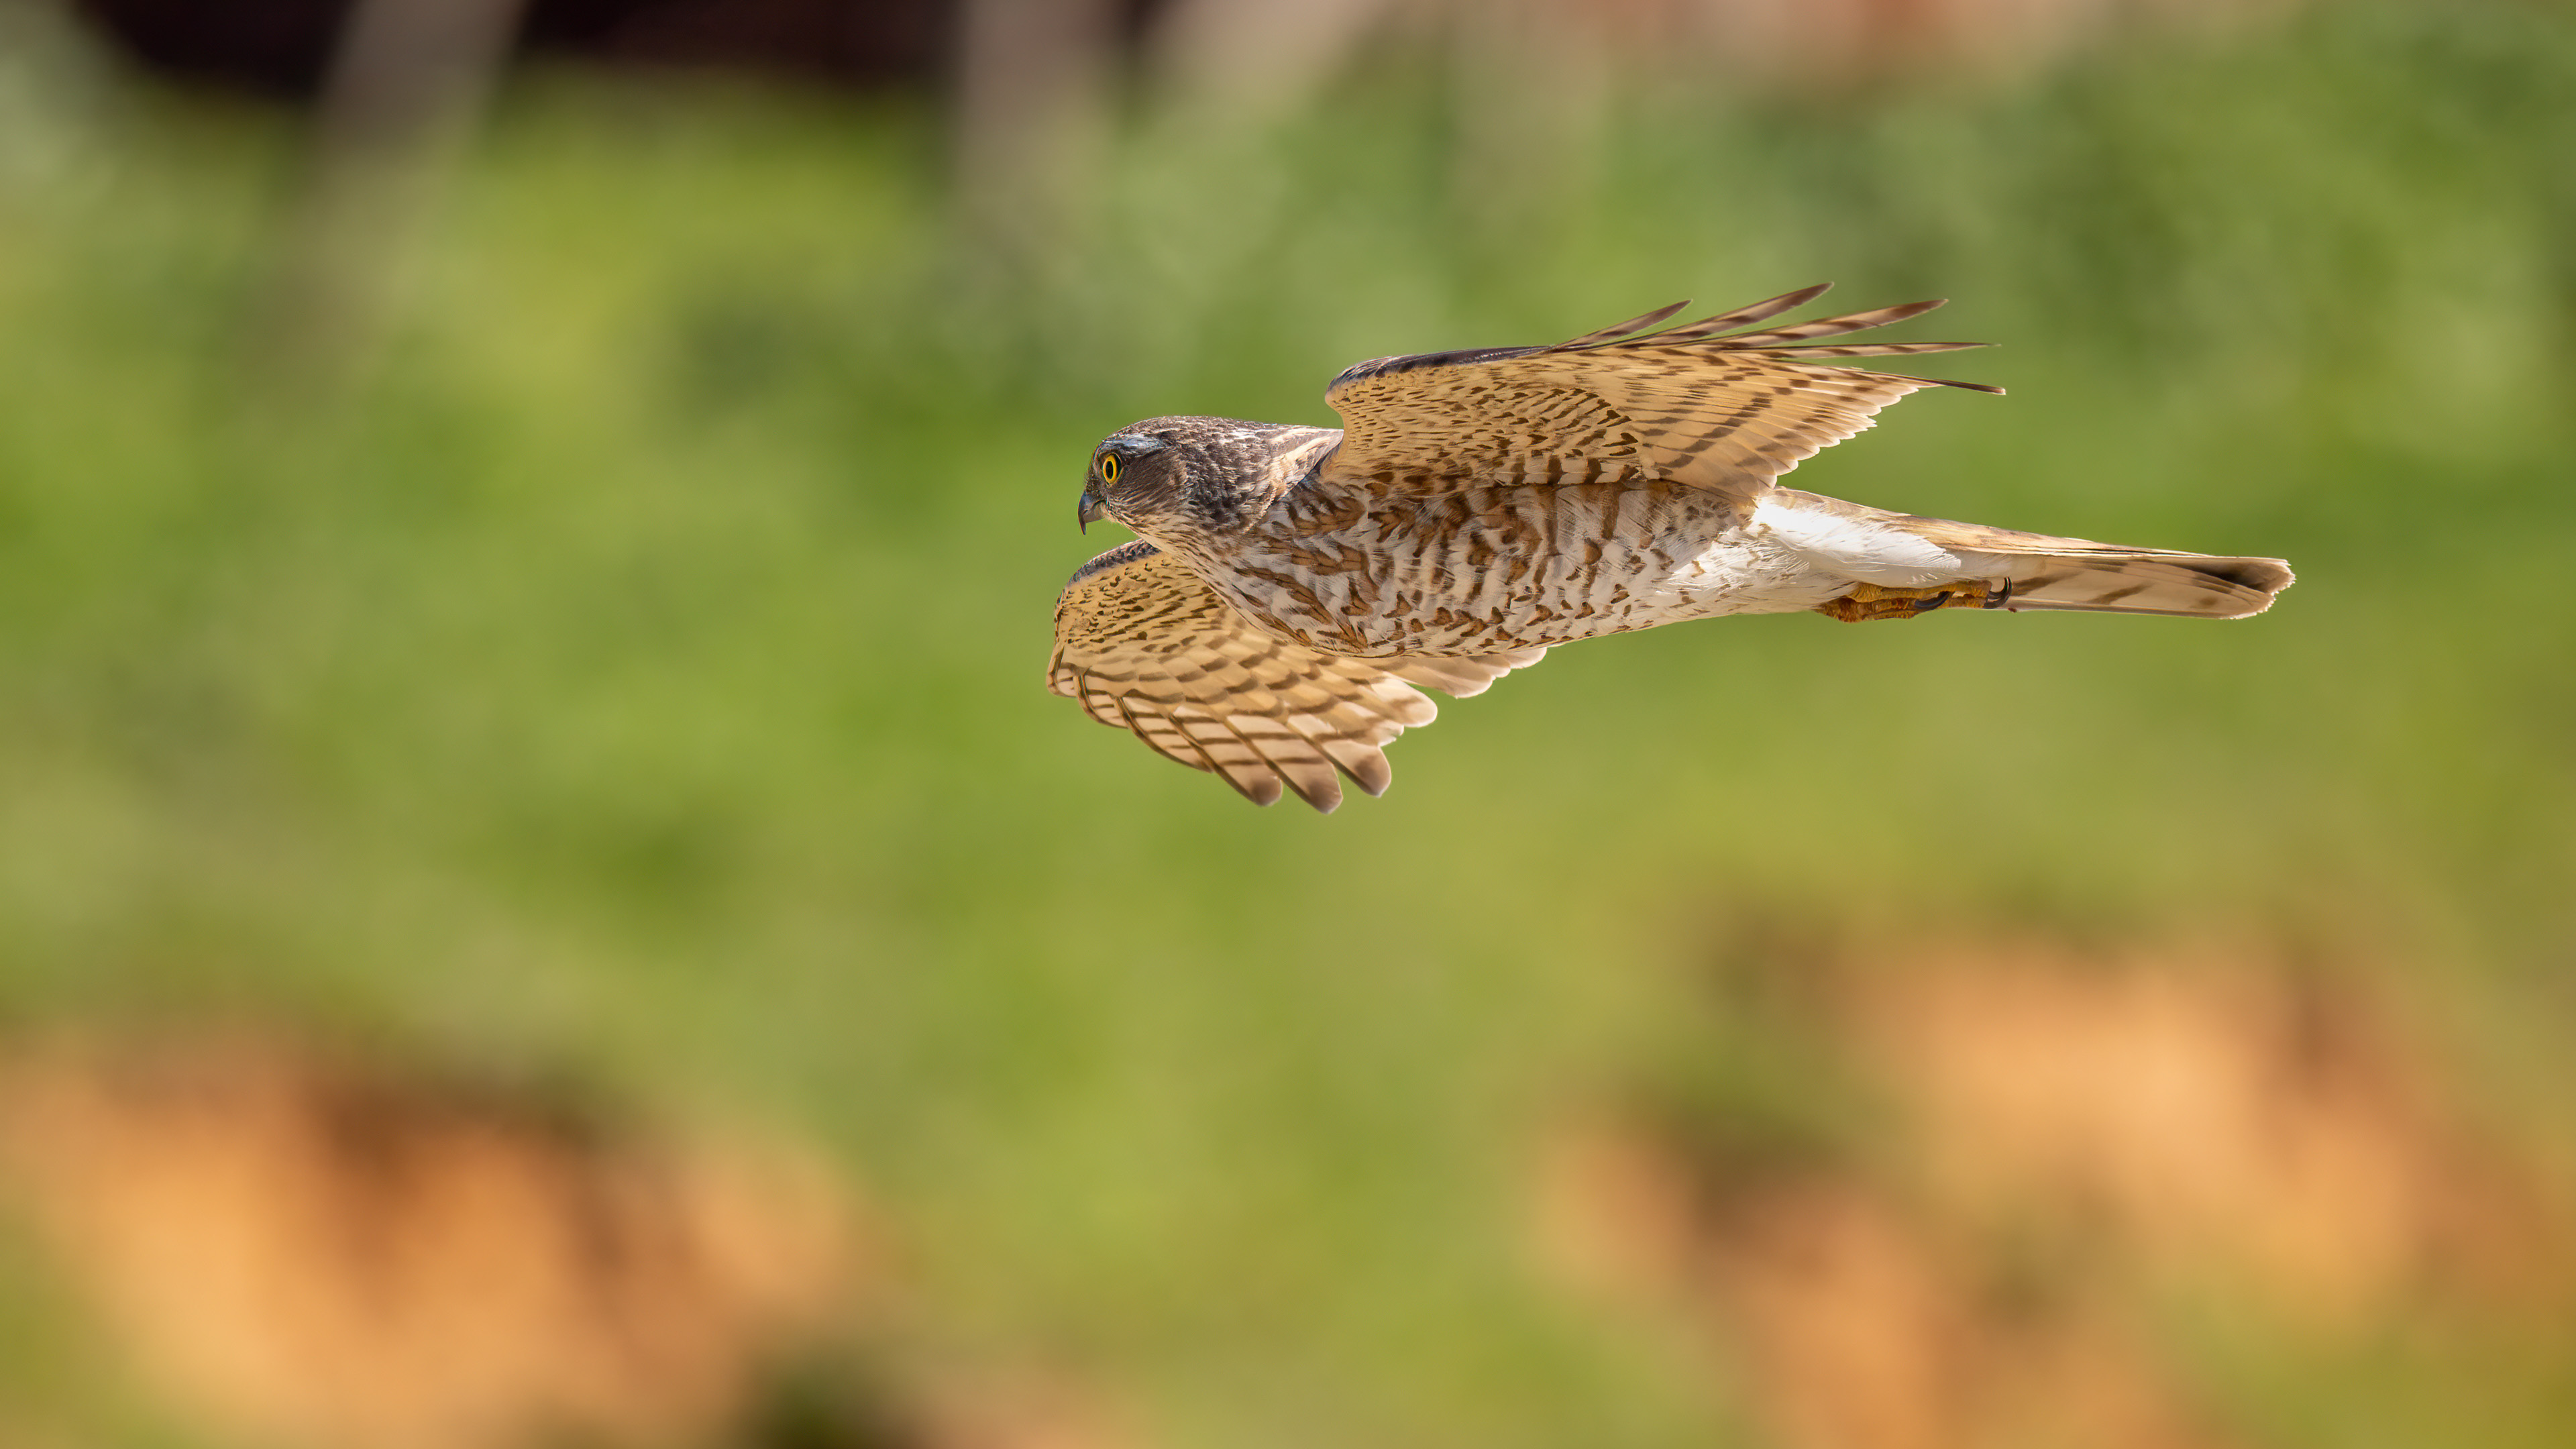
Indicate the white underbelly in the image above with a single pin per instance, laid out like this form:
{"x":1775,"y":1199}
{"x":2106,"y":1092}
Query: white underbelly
{"x":1852,"y":547}
{"x":1747,"y":572}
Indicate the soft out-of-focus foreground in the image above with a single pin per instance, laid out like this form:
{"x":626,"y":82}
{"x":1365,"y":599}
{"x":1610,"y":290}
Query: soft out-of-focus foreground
{"x":543,"y":898}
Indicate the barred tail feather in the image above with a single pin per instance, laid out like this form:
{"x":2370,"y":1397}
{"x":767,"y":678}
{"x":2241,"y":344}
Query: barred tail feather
{"x":2188,"y":585}
{"x":1900,"y":563}
{"x":2079,"y":575}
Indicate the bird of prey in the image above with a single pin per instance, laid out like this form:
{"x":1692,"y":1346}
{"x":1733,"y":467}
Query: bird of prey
{"x":1292,"y":589}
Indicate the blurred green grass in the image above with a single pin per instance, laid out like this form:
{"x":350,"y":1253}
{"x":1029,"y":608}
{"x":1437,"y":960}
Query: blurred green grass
{"x":640,"y":666}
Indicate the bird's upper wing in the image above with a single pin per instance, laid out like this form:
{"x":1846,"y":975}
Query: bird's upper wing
{"x":1684,"y":404}
{"x":1147,"y":646}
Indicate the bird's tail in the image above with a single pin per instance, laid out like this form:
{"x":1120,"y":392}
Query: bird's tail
{"x":2093,"y":579}
{"x":1999,"y":568}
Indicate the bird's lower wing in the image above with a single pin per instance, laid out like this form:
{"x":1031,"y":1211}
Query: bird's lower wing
{"x":1147,"y":646}
{"x":1694,"y":404}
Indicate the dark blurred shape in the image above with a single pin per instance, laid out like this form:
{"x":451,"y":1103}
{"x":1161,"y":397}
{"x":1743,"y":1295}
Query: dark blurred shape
{"x":859,"y":43}
{"x":284,"y":47}
{"x":2061,"y":1137}
{"x":1253,"y":53}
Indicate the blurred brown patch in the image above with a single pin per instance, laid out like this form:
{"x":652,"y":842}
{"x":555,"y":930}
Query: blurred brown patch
{"x":306,"y":1249}
{"x":2067,"y":1131}
{"x":1852,"y":1320}
{"x":2206,"y":1111}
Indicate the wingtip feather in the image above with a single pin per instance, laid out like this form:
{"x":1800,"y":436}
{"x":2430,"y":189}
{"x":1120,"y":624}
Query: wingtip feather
{"x":1365,"y":765}
{"x":1612,"y":333}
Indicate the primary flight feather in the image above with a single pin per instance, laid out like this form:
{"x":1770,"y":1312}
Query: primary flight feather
{"x":1294,"y":589}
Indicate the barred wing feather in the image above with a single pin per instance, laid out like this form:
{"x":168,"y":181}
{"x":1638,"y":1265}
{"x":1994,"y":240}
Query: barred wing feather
{"x":1147,"y":646}
{"x":1698,"y":403}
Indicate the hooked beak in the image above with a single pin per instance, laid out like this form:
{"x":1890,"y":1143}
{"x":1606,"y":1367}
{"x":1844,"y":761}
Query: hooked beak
{"x":1088,"y":512}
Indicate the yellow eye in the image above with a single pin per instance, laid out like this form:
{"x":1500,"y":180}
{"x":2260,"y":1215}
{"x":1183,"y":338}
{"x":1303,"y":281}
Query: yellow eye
{"x":1108,"y":467}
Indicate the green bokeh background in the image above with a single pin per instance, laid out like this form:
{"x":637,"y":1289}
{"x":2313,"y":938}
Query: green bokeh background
{"x":638,"y":668}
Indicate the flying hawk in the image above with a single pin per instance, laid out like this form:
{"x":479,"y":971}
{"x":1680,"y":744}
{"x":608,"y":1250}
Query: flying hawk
{"x":1293,"y":589}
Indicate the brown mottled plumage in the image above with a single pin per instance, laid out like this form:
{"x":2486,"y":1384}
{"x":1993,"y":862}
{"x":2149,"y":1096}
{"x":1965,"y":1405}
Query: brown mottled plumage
{"x":1293,"y":585}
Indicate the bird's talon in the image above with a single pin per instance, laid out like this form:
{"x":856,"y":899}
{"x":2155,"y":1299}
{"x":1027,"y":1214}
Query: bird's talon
{"x":1869,"y":601}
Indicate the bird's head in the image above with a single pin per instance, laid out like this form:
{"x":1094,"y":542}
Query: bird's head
{"x":1173,"y":478}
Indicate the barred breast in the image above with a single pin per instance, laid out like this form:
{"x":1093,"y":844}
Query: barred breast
{"x":1487,"y":569}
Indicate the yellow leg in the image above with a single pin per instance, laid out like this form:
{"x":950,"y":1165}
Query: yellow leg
{"x":1869,"y":601}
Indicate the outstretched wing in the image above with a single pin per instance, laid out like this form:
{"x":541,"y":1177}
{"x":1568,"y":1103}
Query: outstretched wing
{"x":1147,"y":646}
{"x":1687,"y":404}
